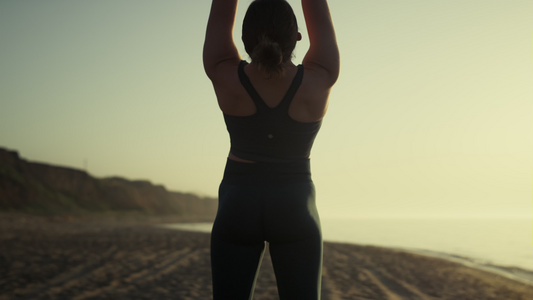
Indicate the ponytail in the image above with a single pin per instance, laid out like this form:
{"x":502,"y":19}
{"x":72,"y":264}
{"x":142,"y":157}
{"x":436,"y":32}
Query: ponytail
{"x":269,"y":57}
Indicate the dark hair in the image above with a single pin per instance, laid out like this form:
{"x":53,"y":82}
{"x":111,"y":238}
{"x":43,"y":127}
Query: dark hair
{"x":269,"y":34}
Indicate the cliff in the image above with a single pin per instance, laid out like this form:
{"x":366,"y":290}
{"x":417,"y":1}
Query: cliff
{"x":41,"y":188}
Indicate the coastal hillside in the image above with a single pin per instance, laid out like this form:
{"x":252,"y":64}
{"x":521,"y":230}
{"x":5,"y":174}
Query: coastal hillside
{"x":40,"y":188}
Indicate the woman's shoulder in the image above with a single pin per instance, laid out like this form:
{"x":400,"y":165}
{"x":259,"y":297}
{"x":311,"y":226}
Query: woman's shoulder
{"x":224,"y":70}
{"x":317,"y":82}
{"x":229,"y":90}
{"x":318,"y":76}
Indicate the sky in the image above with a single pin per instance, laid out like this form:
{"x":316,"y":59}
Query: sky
{"x":432,"y":114}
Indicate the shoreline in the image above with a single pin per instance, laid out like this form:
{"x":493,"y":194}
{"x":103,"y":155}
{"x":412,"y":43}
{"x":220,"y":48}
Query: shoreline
{"x":133,"y":257}
{"x":512,"y":272}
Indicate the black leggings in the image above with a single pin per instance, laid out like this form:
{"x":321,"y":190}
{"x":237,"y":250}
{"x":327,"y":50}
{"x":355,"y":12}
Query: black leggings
{"x":272,"y":203}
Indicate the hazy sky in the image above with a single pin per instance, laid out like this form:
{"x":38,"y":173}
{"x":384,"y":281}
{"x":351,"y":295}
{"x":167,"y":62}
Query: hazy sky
{"x":432,"y":114}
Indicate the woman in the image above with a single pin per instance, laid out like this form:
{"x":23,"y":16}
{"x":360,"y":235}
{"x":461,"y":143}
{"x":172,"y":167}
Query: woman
{"x":273,"y":110}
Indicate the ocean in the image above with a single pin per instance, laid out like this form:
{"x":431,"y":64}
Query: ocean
{"x":505,"y":242}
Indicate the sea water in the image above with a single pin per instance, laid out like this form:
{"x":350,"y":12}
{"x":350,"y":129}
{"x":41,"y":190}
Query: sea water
{"x":499,"y":241}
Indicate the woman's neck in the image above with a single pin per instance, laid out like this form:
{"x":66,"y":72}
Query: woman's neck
{"x":253,"y":70}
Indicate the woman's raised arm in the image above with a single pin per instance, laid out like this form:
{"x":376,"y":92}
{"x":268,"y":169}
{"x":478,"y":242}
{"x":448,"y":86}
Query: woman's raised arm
{"x":219,"y":45}
{"x":323,"y":54}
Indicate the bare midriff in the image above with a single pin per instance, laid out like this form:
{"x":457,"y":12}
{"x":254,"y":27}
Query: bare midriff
{"x":235,"y":158}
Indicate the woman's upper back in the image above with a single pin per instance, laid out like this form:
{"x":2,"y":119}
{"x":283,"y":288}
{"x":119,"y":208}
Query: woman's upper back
{"x":265,"y":131}
{"x":309,"y":104}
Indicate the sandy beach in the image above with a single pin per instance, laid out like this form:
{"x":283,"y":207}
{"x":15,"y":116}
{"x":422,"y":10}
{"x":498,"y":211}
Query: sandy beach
{"x":132,"y":258}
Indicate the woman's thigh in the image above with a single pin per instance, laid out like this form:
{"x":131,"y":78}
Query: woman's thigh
{"x":295,"y":241}
{"x":237,"y":245}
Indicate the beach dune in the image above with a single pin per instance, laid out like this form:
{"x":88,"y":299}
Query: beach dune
{"x":132,"y":258}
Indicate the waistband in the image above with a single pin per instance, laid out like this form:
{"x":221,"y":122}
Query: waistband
{"x":266,"y":172}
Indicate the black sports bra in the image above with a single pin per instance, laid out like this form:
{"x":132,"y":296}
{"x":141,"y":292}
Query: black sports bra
{"x":270,"y":135}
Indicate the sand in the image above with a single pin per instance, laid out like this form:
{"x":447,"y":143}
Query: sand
{"x":132,"y":258}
